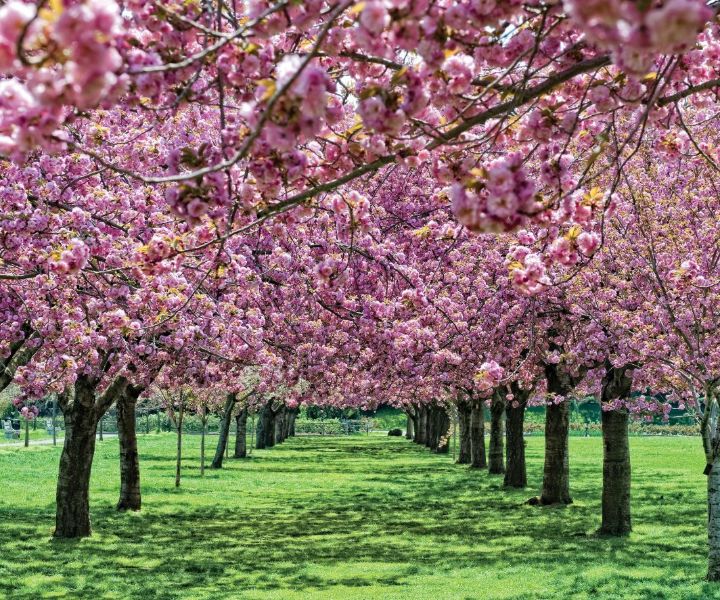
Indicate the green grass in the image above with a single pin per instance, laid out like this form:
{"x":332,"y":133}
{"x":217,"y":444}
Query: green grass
{"x":355,"y":518}
{"x":387,"y":418}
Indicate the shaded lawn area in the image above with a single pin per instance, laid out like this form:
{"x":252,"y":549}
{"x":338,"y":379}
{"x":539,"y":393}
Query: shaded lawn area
{"x":355,"y":518}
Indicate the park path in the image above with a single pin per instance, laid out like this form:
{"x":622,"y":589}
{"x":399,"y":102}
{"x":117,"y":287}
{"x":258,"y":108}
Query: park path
{"x":46,"y":442}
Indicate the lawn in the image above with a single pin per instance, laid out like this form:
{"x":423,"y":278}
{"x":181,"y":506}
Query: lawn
{"x":355,"y":518}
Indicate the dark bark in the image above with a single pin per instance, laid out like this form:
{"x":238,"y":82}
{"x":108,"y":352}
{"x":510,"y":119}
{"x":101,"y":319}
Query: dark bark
{"x":291,"y":427}
{"x":556,"y":473}
{"x":286,"y":424}
{"x":496,"y":464}
{"x":464,"y":417}
{"x":268,"y":425}
{"x":421,"y":432}
{"x":241,"y":433}
{"x":81,"y":413}
{"x":616,"y":474}
{"x":409,"y":427}
{"x":224,"y":433}
{"x":442,"y":443}
{"x":430,"y":440}
{"x":203,"y":422}
{"x":259,"y":429}
{"x":279,"y":425}
{"x":21,"y":352}
{"x":477,"y":436}
{"x":616,"y":519}
{"x":178,"y":455}
{"x":130,"y":496}
{"x":515,"y":468}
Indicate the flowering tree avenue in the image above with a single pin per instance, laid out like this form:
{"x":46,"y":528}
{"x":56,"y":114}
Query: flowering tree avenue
{"x":283,"y":202}
{"x":668,"y":276}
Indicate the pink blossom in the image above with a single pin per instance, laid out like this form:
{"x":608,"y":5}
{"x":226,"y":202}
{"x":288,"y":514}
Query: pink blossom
{"x":374,"y":17}
{"x":588,"y":243}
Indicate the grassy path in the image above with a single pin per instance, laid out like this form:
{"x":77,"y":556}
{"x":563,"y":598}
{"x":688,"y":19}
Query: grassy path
{"x":354,"y":518}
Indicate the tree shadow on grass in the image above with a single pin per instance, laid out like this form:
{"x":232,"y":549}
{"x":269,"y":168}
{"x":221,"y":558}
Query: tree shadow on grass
{"x":350,"y":515}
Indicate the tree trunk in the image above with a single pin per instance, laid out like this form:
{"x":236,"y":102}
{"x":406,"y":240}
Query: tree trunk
{"x":556,"y":474}
{"x":285,"y":424}
{"x":81,"y":413}
{"x":279,"y":425}
{"x":409,"y":427}
{"x":202,"y":445}
{"x":477,"y":436}
{"x":178,"y":456}
{"x":442,"y":445}
{"x":713,"y":525}
{"x":430,"y":435}
{"x":259,"y":429}
{"x":616,"y":474}
{"x":130,"y":498}
{"x":241,"y":433}
{"x":515,"y":469}
{"x":269,"y":426}
{"x":72,"y":517}
{"x":464,"y":418}
{"x":421,"y":433}
{"x":616,"y":383}
{"x":496,"y":465}
{"x":224,"y":433}
{"x":291,"y":426}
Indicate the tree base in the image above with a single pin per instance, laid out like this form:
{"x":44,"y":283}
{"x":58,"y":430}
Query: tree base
{"x":713,"y":575}
{"x":125,"y":505}
{"x":614,"y":532}
{"x":72,"y":532}
{"x":540,"y":501}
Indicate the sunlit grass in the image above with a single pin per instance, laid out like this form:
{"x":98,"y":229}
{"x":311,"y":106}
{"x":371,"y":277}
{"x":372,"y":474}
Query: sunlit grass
{"x":354,"y":518}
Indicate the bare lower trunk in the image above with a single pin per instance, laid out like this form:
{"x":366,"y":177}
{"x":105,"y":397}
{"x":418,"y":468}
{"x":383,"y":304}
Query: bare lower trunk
{"x":72,"y":517}
{"x":269,"y":426}
{"x":477,"y":437}
{"x":130,"y":498}
{"x":713,"y":525}
{"x":81,"y":412}
{"x":515,"y":469}
{"x":430,"y":440}
{"x":442,"y":445}
{"x":464,"y":417}
{"x":616,"y":474}
{"x":241,"y":434}
{"x":556,"y":473}
{"x":279,"y":426}
{"x":178,"y":456}
{"x":497,"y":433}
{"x":286,"y":425}
{"x":259,"y":429}
{"x":217,"y":460}
{"x":202,"y":446}
{"x":291,"y":426}
{"x":409,"y":427}
{"x":421,"y":432}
